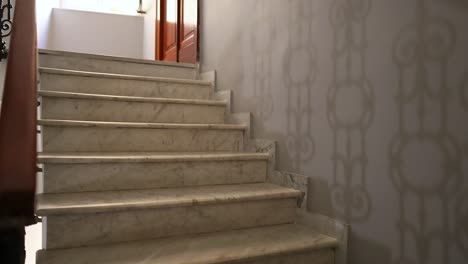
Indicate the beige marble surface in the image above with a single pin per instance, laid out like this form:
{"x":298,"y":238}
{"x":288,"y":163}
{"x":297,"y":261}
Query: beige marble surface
{"x":72,"y":95}
{"x":103,"y":176}
{"x":109,"y":64}
{"x":263,"y":245}
{"x":139,"y":157}
{"x":89,"y":56}
{"x":142,"y":224}
{"x":69,"y":81}
{"x":73,"y":106}
{"x":324,"y":256}
{"x":98,"y":202}
{"x":86,"y":73}
{"x":71,"y":136}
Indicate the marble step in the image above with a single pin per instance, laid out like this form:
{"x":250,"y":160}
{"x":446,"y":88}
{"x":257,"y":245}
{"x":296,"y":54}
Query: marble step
{"x":281,"y":244}
{"x":52,"y":79}
{"x":109,"y":217}
{"x":118,"y":65}
{"x":94,"y":107}
{"x":91,"y":136}
{"x":84,"y":172}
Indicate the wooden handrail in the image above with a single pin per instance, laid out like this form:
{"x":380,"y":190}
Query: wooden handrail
{"x":18,"y":120}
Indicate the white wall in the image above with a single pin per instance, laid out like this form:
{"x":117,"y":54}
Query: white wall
{"x":149,"y":32}
{"x":44,"y":17}
{"x":96,"y":33}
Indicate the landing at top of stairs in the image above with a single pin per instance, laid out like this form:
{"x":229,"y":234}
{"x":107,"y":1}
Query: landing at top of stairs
{"x":89,"y":56}
{"x":116,"y":65}
{"x":238,"y":246}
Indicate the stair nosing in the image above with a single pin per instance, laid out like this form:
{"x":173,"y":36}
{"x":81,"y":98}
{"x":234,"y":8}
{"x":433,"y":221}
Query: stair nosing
{"x":272,"y":243}
{"x":116,"y":202}
{"x":103,"y":124}
{"x":115,"y":58}
{"x":121,"y":76}
{"x":94,"y":158}
{"x":120,"y":98}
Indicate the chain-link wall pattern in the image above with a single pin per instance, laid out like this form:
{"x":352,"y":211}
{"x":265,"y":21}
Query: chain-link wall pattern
{"x":300,"y":70}
{"x":350,"y":108}
{"x":262,"y":40}
{"x":425,"y":158}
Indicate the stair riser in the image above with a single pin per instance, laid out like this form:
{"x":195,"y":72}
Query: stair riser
{"x":325,"y":256}
{"x":118,"y":67}
{"x":95,"y":229}
{"x":108,"y":139}
{"x":124,"y":87}
{"x":118,"y":111}
{"x":131,"y":176}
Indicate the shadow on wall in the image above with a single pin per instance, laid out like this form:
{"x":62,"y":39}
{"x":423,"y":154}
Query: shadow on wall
{"x":456,"y":3}
{"x":464,"y":91}
{"x":300,"y":70}
{"x":350,"y":110}
{"x":425,"y":158}
{"x":369,"y":252}
{"x":261,"y":43}
{"x":462,"y":204}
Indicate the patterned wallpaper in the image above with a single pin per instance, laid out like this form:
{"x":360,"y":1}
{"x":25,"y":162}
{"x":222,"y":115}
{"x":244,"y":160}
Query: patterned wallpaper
{"x":371,"y":96}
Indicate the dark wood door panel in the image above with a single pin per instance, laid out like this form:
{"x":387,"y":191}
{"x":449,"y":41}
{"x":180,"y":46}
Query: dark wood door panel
{"x":188,"y":31}
{"x":177,"y":31}
{"x":170,"y":34}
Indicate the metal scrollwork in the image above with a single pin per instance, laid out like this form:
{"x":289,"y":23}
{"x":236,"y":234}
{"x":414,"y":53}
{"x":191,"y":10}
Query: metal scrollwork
{"x":6,"y":26}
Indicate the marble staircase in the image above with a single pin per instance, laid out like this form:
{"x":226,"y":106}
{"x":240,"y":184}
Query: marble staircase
{"x":141,"y":166}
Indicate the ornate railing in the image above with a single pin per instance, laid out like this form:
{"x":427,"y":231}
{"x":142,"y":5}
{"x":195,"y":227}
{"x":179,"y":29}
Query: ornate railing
{"x":18,"y":119}
{"x":5,"y":26}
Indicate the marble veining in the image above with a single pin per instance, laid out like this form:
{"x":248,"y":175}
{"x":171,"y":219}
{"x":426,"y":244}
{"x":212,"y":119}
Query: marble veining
{"x":126,"y":87}
{"x":105,"y":176}
{"x":263,"y":245}
{"x":97,"y":202}
{"x":131,"y":225}
{"x":130,"y":111}
{"x":139,"y":157}
{"x":87,"y":57}
{"x":145,"y":164}
{"x":142,"y":137}
{"x":72,"y":95}
{"x":121,"y":76}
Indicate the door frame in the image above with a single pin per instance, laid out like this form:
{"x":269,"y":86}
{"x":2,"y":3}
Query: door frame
{"x":161,"y":16}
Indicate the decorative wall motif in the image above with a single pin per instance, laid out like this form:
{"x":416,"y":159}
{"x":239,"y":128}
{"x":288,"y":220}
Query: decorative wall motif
{"x":461,"y":208}
{"x":262,"y":39}
{"x":300,"y":70}
{"x":350,"y":108}
{"x":425,"y":158}
{"x":464,"y":91}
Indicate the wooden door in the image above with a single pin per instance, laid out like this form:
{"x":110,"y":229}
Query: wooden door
{"x":188,"y":31}
{"x":177,"y":31}
{"x":168,"y":30}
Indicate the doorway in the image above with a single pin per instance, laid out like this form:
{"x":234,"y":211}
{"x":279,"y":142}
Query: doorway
{"x":177,"y":28}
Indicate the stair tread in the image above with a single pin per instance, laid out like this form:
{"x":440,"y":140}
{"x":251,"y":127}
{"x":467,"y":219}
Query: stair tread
{"x":122,"y":76}
{"x":94,"y":202}
{"x":114,"y":58}
{"x":73,"y":95}
{"x":76,"y":123}
{"x":222,"y":247}
{"x":100,"y":157}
